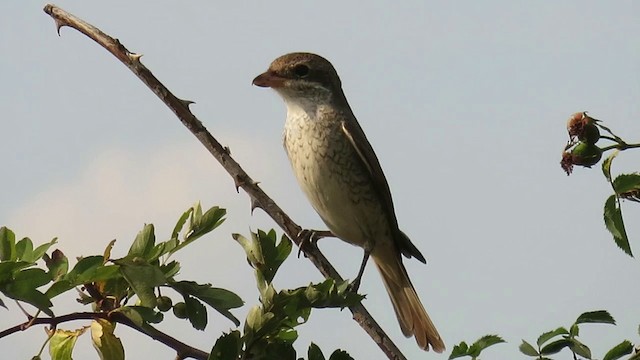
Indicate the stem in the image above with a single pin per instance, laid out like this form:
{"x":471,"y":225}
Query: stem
{"x":183,"y":350}
{"x":620,"y":146}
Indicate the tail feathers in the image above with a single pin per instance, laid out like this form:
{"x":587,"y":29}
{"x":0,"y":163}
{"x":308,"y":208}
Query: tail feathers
{"x":413,"y":318}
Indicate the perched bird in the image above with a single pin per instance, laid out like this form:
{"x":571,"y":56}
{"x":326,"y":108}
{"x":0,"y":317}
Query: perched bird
{"x":341,"y":176}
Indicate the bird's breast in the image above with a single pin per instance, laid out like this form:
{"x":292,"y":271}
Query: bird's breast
{"x":332,"y":176}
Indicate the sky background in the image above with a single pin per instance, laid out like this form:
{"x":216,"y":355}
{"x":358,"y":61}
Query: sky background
{"x":464,"y":102}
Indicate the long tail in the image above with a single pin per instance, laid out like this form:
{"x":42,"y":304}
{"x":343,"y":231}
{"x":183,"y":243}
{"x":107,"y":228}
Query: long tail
{"x":413,"y":318}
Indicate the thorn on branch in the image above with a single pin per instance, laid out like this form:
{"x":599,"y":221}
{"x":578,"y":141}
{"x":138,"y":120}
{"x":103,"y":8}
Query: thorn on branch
{"x":133,"y":56}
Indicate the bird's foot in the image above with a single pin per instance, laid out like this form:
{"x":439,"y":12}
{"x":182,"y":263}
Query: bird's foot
{"x":308,"y":237}
{"x":354,"y":286}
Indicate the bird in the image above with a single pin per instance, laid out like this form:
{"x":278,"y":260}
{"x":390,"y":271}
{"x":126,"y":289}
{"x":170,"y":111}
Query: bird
{"x":341,"y":176}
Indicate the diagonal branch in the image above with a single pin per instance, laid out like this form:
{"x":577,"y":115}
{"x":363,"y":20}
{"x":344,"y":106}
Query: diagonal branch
{"x":242,"y":180}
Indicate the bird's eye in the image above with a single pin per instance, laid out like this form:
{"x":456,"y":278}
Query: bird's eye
{"x":301,"y":70}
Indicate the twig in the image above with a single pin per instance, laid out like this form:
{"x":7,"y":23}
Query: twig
{"x":183,"y":350}
{"x":242,"y":180}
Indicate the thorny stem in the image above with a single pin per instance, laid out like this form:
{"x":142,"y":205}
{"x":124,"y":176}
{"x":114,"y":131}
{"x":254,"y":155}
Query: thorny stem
{"x":242,"y":180}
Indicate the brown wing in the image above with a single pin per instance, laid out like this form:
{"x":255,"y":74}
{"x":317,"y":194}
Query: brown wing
{"x":359,"y":141}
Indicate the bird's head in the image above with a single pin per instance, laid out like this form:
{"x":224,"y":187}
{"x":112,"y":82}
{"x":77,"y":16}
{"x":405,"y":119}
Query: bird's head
{"x":300,"y":77}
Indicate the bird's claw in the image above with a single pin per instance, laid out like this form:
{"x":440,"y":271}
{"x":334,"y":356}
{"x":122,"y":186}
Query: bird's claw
{"x":308,"y":237}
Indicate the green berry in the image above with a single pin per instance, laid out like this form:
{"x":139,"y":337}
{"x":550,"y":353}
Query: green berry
{"x":164,"y":303}
{"x":585,"y":154}
{"x":180,"y":310}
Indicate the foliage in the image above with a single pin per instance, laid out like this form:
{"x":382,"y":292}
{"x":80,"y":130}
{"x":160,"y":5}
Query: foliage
{"x":554,"y":341}
{"x":584,"y":133}
{"x":136,"y":288}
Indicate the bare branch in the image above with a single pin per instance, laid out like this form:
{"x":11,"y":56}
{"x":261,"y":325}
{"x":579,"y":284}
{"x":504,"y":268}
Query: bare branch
{"x":241,"y":178}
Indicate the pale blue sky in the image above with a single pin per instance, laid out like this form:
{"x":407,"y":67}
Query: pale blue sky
{"x":465,"y":104}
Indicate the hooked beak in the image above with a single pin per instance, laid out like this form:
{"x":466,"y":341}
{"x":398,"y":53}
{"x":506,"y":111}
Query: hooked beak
{"x":269,"y":79}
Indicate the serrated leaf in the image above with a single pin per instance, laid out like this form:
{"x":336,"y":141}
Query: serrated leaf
{"x":579,"y":348}
{"x":170,"y":269}
{"x":554,"y":347}
{"x":7,"y":244}
{"x":227,"y":347}
{"x":626,"y":182}
{"x":180,"y":223}
{"x":551,"y":334}
{"x":196,"y":312}
{"x":615,"y":224}
{"x":144,"y":242}
{"x":108,"y":346}
{"x":459,"y":350}
{"x":606,"y":165}
{"x":340,"y":355}
{"x":528,"y":349}
{"x":210,"y":220}
{"x":484,"y":342}
{"x":619,"y":351}
{"x":314,"y":352}
{"x":62,"y":342}
{"x":598,"y":317}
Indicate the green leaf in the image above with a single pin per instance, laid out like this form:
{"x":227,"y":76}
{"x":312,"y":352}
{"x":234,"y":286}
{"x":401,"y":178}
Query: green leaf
{"x":144,"y":242}
{"x":42,"y":249}
{"x":459,"y":350}
{"x":619,"y":351}
{"x":579,"y":348}
{"x":7,"y":244}
{"x":140,"y":314}
{"x":24,"y":288}
{"x":206,"y":223}
{"x":528,"y":349}
{"x":484,"y":342}
{"x":551,"y":334}
{"x":606,"y":165}
{"x":143,"y":278}
{"x":83,"y":267}
{"x":58,"y":264}
{"x":170,"y":269}
{"x":574,"y":330}
{"x":62,"y":343}
{"x":314,"y":352}
{"x":626,"y":182}
{"x":340,"y":355}
{"x":10,"y":268}
{"x":615,"y":224}
{"x":554,"y":347}
{"x":180,"y":224}
{"x":24,"y":250}
{"x":220,"y":299}
{"x":108,"y":346}
{"x":58,"y":288}
{"x":598,"y":317}
{"x":227,"y":347}
{"x":264,"y":255}
{"x":196,"y":312}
